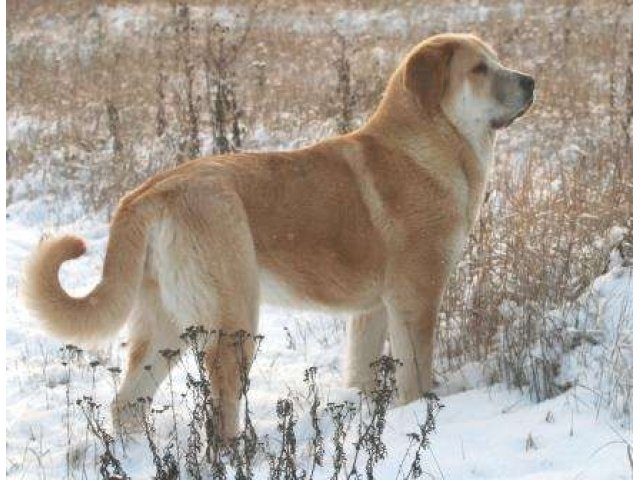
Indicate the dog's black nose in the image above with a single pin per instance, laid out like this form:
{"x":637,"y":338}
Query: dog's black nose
{"x":527,"y":83}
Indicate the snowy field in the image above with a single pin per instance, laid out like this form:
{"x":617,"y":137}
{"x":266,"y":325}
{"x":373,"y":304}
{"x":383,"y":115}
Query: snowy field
{"x":483,"y":431}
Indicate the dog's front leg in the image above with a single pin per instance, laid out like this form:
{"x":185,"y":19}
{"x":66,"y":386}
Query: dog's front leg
{"x":412,"y":302}
{"x":366,"y":333}
{"x":411,"y":333}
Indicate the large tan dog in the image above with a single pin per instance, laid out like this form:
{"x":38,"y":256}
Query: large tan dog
{"x":371,"y":222}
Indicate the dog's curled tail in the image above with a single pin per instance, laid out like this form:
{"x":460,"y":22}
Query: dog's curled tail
{"x":102,"y":312}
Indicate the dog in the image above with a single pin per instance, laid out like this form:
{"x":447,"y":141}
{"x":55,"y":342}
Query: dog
{"x":371,"y":222}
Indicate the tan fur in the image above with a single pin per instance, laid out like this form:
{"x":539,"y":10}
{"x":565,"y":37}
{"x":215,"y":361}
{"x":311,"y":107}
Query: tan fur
{"x":369,"y":222}
{"x":137,"y":352}
{"x":366,"y":333}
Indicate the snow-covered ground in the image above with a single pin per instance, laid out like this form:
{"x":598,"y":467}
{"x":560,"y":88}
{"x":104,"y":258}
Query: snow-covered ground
{"x":483,"y":431}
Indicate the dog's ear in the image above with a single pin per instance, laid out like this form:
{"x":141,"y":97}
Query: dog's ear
{"x":426,"y":73}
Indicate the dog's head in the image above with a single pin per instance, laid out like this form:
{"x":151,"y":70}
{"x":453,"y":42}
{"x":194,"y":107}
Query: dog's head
{"x":461,"y":76}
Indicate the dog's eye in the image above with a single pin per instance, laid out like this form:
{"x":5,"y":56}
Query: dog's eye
{"x":480,"y":68}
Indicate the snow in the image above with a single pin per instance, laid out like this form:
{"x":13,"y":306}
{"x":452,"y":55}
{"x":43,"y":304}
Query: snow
{"x":483,"y":431}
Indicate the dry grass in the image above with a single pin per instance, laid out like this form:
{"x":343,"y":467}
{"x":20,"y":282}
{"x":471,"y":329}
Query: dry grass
{"x":563,"y":174}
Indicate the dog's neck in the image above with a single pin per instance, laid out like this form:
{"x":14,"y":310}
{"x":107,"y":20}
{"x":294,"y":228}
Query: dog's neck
{"x":477,"y":163}
{"x":481,"y":139}
{"x":405,"y":120}
{"x":431,"y":137}
{"x":417,"y":135}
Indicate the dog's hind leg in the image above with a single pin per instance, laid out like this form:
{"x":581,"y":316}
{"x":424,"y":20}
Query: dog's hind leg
{"x":228,"y":359}
{"x":223,"y":292}
{"x":366,"y":334}
{"x":229,"y":355}
{"x":151,"y":331}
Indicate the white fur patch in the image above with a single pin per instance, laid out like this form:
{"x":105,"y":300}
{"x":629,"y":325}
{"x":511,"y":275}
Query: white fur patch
{"x":275,"y":292}
{"x":187,"y":292}
{"x":471,"y":116}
